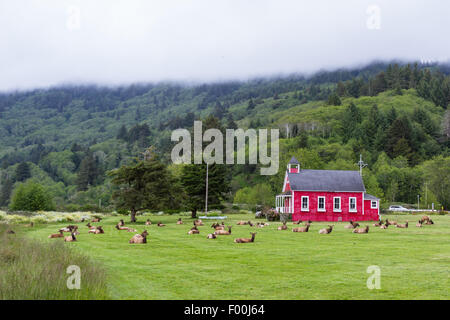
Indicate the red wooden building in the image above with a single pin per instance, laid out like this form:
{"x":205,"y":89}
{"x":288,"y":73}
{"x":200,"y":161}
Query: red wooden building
{"x":326,"y":195}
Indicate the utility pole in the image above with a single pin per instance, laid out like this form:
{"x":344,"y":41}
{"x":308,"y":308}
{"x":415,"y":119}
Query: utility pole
{"x":361,"y":164}
{"x":426,"y":196}
{"x":418,"y":201}
{"x":206,"y":197}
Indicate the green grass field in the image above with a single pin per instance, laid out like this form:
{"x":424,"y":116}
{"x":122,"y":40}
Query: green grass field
{"x":414,"y":262}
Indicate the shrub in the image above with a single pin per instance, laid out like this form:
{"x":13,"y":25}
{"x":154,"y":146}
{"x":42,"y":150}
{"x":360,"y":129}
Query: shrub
{"x":32,"y":197}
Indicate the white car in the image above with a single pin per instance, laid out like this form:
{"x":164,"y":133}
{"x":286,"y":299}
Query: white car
{"x":397,"y":208}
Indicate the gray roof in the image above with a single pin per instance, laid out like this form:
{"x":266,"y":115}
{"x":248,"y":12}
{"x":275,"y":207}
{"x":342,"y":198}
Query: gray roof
{"x":294,"y":161}
{"x":326,"y":180}
{"x":370,"y":197}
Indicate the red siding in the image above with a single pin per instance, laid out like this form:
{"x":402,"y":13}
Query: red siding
{"x":329,"y":215}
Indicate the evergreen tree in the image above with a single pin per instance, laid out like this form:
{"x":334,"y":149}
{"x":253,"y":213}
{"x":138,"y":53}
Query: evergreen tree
{"x":23,"y":172}
{"x":145,"y":185}
{"x":88,"y":173}
{"x":30,"y":196}
{"x":5,"y":191}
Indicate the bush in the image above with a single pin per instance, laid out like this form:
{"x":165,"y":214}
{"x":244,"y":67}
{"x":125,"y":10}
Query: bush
{"x":31,"y":196}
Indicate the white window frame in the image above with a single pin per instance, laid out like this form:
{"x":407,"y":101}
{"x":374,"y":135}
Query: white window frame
{"x":350,"y":203}
{"x":371,"y":204}
{"x":318,"y":204}
{"x":334,"y":204}
{"x":307,"y":203}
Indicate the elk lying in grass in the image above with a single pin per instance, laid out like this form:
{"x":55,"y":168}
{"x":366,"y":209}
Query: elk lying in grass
{"x":194,"y":230}
{"x":297,"y":222}
{"x":393,"y":223}
{"x":378,"y":224}
{"x":125,"y":228}
{"x":97,"y":230}
{"x":384,"y":226}
{"x":429,"y":222}
{"x":9,"y":231}
{"x":148,"y":222}
{"x":301,"y":229}
{"x":96,"y":219}
{"x":179,"y":221}
{"x":70,"y":238}
{"x":246,"y":240}
{"x":223,"y":232}
{"x":283,"y":227}
{"x":211,"y":236}
{"x":161,"y":224}
{"x":217,"y":226}
{"x":242,"y":223}
{"x":139,"y":238}
{"x":419,"y":224}
{"x":121,"y":223}
{"x":361,"y":230}
{"x":89,"y":226}
{"x":30,"y":225}
{"x":352,"y":225}
{"x":262,"y":224}
{"x":198,"y":222}
{"x":70,"y":228}
{"x":403,"y":226}
{"x":56,"y":235}
{"x":326,"y":230}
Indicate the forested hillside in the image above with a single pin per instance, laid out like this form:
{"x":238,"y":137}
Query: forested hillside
{"x":67,"y":139}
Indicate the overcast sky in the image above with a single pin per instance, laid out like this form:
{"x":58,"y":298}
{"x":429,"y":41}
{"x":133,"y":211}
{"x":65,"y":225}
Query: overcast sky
{"x":45,"y":43}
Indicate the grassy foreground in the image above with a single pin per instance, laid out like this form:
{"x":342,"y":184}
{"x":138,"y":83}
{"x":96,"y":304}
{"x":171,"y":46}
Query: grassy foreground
{"x":414,"y":262}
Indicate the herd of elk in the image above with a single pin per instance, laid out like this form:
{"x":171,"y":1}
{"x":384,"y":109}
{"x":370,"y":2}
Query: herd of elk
{"x":246,"y":240}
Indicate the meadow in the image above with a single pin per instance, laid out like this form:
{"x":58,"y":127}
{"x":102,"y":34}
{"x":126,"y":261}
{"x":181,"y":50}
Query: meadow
{"x":414,"y":262}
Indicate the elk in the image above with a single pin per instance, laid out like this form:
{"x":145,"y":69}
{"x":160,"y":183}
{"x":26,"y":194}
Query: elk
{"x":223,"y":232}
{"x":378,"y":224}
{"x":179,"y":221}
{"x":161,"y":224}
{"x":391,"y":222}
{"x":56,"y":235}
{"x":283,"y":227}
{"x":297,"y":222}
{"x":96,"y":220}
{"x":148,"y":222}
{"x":246,"y":240}
{"x":194,"y":230}
{"x":97,"y":230}
{"x":326,"y":230}
{"x":211,"y":236}
{"x":70,"y":238}
{"x":9,"y":231}
{"x":139,"y":238}
{"x":352,"y":225}
{"x":361,"y":230}
{"x":198,"y":222}
{"x":242,"y":223}
{"x":91,"y":227}
{"x":121,"y":223}
{"x":429,"y":222}
{"x":403,"y":226}
{"x":250,"y":223}
{"x":384,"y":226}
{"x":419,"y":224}
{"x":301,"y":229}
{"x":69,"y":228}
{"x":30,"y":225}
{"x":425,"y":219}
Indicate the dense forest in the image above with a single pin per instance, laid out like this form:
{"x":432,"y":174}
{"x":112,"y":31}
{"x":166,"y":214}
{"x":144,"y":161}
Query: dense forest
{"x":68,"y":139}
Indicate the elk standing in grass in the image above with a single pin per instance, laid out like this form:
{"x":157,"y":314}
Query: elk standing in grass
{"x":326,"y":230}
{"x":361,"y":230}
{"x":246,"y":240}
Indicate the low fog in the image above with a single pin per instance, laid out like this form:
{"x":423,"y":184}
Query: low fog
{"x":46,"y":43}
